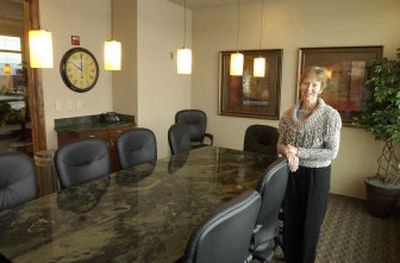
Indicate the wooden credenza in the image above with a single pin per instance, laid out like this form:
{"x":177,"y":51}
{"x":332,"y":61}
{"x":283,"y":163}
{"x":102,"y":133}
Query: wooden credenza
{"x":108,"y":132}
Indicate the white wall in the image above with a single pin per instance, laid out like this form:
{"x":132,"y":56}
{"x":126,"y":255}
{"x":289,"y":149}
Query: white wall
{"x":124,"y":82}
{"x":290,"y":25}
{"x":91,"y":20}
{"x":161,"y":92}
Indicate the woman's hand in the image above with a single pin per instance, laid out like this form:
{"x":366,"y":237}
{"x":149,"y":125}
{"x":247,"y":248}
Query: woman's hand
{"x":291,"y":148}
{"x":293,"y":161}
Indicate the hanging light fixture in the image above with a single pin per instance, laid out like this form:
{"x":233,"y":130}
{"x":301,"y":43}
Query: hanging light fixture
{"x":112,"y":55}
{"x":112,"y":50}
{"x":40,"y":48}
{"x":237,"y":59}
{"x":184,"y":55}
{"x":259,"y":63}
{"x":7,"y":69}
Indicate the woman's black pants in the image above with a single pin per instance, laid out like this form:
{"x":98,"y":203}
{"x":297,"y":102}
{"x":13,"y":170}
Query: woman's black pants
{"x":304,"y":210}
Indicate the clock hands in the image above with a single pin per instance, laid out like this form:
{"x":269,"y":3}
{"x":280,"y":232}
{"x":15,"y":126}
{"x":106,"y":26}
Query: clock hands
{"x":81,"y":66}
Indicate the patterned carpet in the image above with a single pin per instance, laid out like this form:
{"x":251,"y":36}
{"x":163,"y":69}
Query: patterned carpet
{"x":350,"y":235}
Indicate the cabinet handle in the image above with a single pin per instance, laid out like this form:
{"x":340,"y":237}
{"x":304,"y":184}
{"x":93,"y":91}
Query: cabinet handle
{"x":111,"y":143}
{"x":120,"y":131}
{"x":92,"y":136}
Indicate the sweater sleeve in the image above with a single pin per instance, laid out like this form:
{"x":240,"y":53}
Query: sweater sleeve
{"x":331,"y":143}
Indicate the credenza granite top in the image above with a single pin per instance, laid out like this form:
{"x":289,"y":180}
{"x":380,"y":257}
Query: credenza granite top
{"x":82,"y":124}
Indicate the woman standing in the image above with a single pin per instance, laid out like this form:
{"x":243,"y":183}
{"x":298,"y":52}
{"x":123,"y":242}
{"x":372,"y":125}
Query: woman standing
{"x":309,"y":135}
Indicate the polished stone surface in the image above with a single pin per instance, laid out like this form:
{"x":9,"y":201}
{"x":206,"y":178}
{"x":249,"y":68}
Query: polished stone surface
{"x":145,"y":214}
{"x":91,"y":123}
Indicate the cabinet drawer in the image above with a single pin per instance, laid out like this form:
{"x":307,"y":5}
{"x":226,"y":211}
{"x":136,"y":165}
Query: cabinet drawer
{"x":115,"y":133}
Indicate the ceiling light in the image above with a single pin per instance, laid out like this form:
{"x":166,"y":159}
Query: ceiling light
{"x":237,"y":59}
{"x":40,"y":49}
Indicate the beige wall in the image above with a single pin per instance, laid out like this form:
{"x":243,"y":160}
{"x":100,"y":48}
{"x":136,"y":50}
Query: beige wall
{"x":161,"y":92}
{"x":124,"y":82}
{"x":290,"y":25}
{"x":91,"y":20}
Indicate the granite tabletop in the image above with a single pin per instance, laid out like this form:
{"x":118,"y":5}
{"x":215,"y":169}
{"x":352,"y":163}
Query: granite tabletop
{"x":143,"y":214}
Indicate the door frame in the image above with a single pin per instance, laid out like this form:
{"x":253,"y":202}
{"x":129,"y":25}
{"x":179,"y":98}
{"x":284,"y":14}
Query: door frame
{"x":35,"y":87}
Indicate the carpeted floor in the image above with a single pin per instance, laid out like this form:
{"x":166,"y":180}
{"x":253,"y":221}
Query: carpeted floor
{"x":350,"y":235}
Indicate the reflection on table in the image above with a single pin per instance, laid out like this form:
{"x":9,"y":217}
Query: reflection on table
{"x":144,"y":214}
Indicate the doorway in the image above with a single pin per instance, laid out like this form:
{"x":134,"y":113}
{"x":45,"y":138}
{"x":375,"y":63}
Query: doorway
{"x":15,"y":125}
{"x":21,"y":106}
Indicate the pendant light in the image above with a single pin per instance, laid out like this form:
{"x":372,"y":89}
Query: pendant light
{"x":237,"y":59}
{"x":40,"y":48}
{"x":112,"y":50}
{"x":7,"y":69}
{"x":184,"y":55}
{"x":259,"y":63}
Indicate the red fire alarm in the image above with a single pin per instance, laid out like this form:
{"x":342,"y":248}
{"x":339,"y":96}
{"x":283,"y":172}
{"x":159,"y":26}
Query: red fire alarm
{"x":75,"y":40}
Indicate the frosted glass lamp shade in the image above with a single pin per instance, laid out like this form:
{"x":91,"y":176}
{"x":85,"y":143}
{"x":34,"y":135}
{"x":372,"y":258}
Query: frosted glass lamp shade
{"x":259,"y":67}
{"x":112,"y":55}
{"x":236,"y":66}
{"x":40,"y":49}
{"x":184,"y":61}
{"x":7,"y":69}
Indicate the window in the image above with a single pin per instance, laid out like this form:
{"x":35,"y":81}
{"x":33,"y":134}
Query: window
{"x":10,"y":53}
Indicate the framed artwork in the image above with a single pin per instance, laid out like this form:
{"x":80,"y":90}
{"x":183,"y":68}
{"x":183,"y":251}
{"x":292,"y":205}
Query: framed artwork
{"x":248,"y":96}
{"x":347,"y":67}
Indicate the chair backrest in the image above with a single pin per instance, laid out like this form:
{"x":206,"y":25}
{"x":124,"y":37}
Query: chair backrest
{"x":272,"y":189}
{"x":17,"y":180}
{"x":261,"y":139}
{"x":225,"y":235}
{"x":136,"y":146}
{"x":179,"y":138}
{"x":82,"y":160}
{"x":196,"y":122}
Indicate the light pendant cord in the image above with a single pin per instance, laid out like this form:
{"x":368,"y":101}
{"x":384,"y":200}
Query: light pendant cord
{"x":238,"y":26}
{"x":184,"y":25}
{"x":261,"y":25}
{"x":112,"y":19}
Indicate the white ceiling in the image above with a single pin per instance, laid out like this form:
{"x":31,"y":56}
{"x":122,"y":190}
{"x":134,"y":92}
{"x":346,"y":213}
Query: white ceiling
{"x":196,"y":4}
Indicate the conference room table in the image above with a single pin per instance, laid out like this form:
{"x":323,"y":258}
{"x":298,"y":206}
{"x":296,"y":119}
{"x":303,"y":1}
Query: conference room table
{"x":143,"y":214}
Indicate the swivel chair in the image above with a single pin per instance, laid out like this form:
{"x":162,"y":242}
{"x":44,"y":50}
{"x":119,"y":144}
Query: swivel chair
{"x":135,"y":147}
{"x":82,"y":160}
{"x":196,"y":122}
{"x":179,"y":138}
{"x":272,"y":189}
{"x":17,"y":180}
{"x":225,"y":236}
{"x":261,"y":139}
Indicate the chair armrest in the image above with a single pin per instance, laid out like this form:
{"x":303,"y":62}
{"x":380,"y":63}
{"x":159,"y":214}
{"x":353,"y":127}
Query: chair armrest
{"x":210,"y":137}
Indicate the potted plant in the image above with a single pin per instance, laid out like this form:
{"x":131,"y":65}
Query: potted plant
{"x":5,"y":112}
{"x":382,"y":118}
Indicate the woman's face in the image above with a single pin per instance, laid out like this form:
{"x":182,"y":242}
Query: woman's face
{"x":310,"y":88}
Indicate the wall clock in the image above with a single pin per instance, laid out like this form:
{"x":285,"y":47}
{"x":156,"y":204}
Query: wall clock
{"x":79,"y":69}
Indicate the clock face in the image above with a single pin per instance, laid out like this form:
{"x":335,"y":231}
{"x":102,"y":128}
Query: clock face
{"x":79,"y":69}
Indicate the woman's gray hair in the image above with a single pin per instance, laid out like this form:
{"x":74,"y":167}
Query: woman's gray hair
{"x":319,"y":73}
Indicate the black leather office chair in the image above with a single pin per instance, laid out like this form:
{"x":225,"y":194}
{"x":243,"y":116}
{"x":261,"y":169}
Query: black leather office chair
{"x":17,"y":180}
{"x":272,"y":190}
{"x":196,"y":121}
{"x":135,"y":147}
{"x":261,"y":139}
{"x":225,"y":236}
{"x":82,"y":160}
{"x":179,"y":138}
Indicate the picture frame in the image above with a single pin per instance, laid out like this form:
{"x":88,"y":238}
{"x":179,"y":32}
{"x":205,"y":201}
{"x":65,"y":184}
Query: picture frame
{"x":347,"y":67}
{"x":248,"y":96}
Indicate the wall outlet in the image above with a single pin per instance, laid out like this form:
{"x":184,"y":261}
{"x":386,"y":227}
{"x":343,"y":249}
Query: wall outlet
{"x":58,"y":106}
{"x":69,"y":105}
